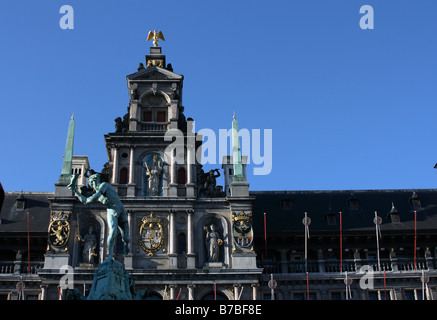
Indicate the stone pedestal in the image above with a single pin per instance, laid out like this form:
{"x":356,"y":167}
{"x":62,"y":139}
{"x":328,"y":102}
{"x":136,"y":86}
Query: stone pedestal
{"x":244,"y":261}
{"x":191,"y":261}
{"x":56,"y":260}
{"x":239,"y":189}
{"x":111,"y":282}
{"x":213,"y":265}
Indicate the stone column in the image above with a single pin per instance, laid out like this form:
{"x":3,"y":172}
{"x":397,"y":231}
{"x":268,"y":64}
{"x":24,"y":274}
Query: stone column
{"x":190,"y":162}
{"x":191,"y":256}
{"x":131,"y":185}
{"x":190,"y":291}
{"x":43,"y":292}
{"x":172,"y":233}
{"x":173,"y":183}
{"x":172,"y":255}
{"x":115,"y":167}
{"x":237,"y":288}
{"x":173,"y":291}
{"x":255,"y":287}
{"x":190,"y":232}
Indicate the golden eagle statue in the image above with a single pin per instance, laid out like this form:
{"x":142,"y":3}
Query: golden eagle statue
{"x":155,"y":36}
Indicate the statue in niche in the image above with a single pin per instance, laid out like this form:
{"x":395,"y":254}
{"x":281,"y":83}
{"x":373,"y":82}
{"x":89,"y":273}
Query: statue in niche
{"x":153,"y":174}
{"x":116,"y":213}
{"x":89,"y":242}
{"x":213,"y":241}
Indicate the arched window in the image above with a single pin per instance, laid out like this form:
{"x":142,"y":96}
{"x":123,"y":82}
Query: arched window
{"x":123,"y":176}
{"x":181,"y":176}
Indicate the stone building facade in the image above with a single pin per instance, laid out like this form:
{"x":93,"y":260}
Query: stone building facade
{"x":192,"y":239}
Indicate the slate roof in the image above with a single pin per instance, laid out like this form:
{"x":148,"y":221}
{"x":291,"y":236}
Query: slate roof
{"x":287,"y":216}
{"x":13,"y":220}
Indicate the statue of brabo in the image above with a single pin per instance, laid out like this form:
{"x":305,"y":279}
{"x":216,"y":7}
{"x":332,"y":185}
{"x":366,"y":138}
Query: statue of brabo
{"x":116,"y":214}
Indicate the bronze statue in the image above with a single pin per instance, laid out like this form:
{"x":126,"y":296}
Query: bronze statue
{"x":116,"y":214}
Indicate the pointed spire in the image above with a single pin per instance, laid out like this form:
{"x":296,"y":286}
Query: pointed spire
{"x":236,"y":151}
{"x":64,"y":178}
{"x":393,"y":208}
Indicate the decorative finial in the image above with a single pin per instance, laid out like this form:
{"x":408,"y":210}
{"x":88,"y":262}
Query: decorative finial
{"x":155,"y":36}
{"x":72,"y":117}
{"x":234,"y":115}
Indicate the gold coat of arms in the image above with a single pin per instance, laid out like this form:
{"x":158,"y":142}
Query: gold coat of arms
{"x":59,"y":228}
{"x":242,"y":230}
{"x":152,"y":233}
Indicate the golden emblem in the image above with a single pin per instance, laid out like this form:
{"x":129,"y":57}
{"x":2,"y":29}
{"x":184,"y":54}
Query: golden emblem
{"x":155,"y":36}
{"x":242,"y":230}
{"x":59,"y":228}
{"x":151,"y":233}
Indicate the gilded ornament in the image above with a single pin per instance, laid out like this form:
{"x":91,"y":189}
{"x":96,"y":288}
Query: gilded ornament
{"x":59,"y":228}
{"x":242,"y":230}
{"x":155,"y":36}
{"x":152,"y":233}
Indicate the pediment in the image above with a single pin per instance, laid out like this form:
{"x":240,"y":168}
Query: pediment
{"x":154,"y":73}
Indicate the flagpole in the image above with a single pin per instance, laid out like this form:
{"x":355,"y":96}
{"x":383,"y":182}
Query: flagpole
{"x":415,"y":238}
{"x":28,"y":243}
{"x":306,"y":222}
{"x":341,"y":245}
{"x":385,"y":287}
{"x":265,"y":241}
{"x":180,"y":289}
{"x":378,"y":231}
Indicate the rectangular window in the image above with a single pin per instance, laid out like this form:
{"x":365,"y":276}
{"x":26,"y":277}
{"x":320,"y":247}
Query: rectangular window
{"x":147,"y":116}
{"x":286,"y":204}
{"x":160,"y":116}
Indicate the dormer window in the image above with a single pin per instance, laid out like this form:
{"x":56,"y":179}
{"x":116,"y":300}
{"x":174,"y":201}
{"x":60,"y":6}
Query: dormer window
{"x":330,"y":219}
{"x":415,"y":200}
{"x":20,"y":202}
{"x":286,"y":204}
{"x":353,"y":203}
{"x":394,"y":214}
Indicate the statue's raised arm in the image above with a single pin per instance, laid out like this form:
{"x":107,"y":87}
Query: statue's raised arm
{"x":73,"y":186}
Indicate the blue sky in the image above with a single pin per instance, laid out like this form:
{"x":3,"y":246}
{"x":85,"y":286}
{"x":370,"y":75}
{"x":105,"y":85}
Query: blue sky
{"x":348,"y":108}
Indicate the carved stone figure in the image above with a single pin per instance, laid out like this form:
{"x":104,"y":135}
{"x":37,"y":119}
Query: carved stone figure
{"x":89,"y":242}
{"x":213,"y":241}
{"x":207,"y":184}
{"x":154,"y":173}
{"x":116,"y":213}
